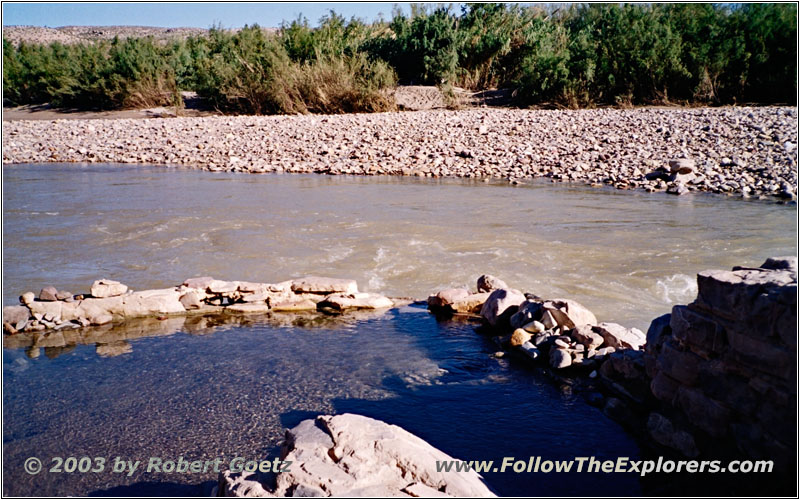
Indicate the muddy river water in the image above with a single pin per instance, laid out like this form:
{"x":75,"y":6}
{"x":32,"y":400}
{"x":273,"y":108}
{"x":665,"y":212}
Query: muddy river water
{"x":200,"y":388}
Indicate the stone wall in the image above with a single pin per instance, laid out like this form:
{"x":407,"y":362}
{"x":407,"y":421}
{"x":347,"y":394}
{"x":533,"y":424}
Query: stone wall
{"x":722,"y":370}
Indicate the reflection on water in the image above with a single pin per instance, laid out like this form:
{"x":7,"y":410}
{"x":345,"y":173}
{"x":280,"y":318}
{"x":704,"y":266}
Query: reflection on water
{"x":205,"y":388}
{"x":626,"y":255}
{"x":112,"y":339}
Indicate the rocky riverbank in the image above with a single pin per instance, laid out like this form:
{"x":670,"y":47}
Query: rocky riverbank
{"x":714,"y":378}
{"x":750,"y":152}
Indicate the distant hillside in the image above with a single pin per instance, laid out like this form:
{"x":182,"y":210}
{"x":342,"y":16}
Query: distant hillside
{"x":77,"y":34}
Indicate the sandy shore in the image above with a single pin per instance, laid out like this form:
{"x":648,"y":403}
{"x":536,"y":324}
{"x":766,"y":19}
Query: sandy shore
{"x":739,"y":151}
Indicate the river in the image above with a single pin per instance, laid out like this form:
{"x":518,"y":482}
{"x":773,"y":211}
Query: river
{"x":202,"y":389}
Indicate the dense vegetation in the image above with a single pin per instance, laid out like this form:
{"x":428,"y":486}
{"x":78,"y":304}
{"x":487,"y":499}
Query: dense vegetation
{"x":573,"y":56}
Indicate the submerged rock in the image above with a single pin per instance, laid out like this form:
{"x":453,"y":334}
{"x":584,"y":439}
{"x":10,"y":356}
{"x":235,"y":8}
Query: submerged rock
{"x":354,"y":456}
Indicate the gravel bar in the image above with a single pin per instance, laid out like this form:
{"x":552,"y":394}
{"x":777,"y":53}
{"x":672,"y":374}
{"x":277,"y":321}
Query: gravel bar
{"x":742,"y":151}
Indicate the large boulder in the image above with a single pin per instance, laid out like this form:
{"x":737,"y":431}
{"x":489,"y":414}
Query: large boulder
{"x":107,"y":288}
{"x":568,"y":313}
{"x":500,"y":306}
{"x":355,"y":456}
{"x":317,"y":284}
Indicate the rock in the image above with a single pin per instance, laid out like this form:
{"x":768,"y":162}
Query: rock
{"x":548,"y":321}
{"x":191,"y":300}
{"x":780,"y":263}
{"x":587,"y":337}
{"x":619,"y":337}
{"x":15,"y":314}
{"x":201,"y":283}
{"x":488,"y":283}
{"x":677,"y":188}
{"x":569,"y":313}
{"x":341,"y":302}
{"x":704,"y":412}
{"x":447,"y":297}
{"x":529,"y":311}
{"x":352,"y":456}
{"x":604,"y":351}
{"x":152,"y":303}
{"x":519,"y":337}
{"x":681,"y":165}
{"x":500,"y":306}
{"x":107,"y":288}
{"x":658,"y":332}
{"x":100,"y":319}
{"x":223,"y":288}
{"x":472,"y":304}
{"x":320,"y":285}
{"x":42,"y":309}
{"x":678,"y":364}
{"x":48,"y":293}
{"x":295,"y":306}
{"x":27,"y":298}
{"x":559,"y":358}
{"x":663,"y":432}
{"x":93,"y":311}
{"x":530,"y":350}
{"x":248,"y":308}
{"x":534,"y":327}
{"x":64,"y":295}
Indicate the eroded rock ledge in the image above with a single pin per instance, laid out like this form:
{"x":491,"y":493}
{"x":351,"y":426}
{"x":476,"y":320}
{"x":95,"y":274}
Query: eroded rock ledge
{"x":713,"y":378}
{"x":110,"y":301}
{"x":355,"y":456}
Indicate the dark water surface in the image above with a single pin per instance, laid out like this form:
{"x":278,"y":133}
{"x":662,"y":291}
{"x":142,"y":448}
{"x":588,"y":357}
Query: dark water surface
{"x":203,"y":388}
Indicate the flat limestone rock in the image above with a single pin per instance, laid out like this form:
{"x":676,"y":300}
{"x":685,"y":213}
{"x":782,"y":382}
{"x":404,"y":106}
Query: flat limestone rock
{"x":351,"y":455}
{"x":295,"y":306}
{"x":318,"y":284}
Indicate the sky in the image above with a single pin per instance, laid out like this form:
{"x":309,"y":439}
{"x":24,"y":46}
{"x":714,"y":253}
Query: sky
{"x":177,"y":14}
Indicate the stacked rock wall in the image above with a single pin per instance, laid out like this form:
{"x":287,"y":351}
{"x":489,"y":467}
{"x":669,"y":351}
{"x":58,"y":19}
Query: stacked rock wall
{"x":724,"y":367}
